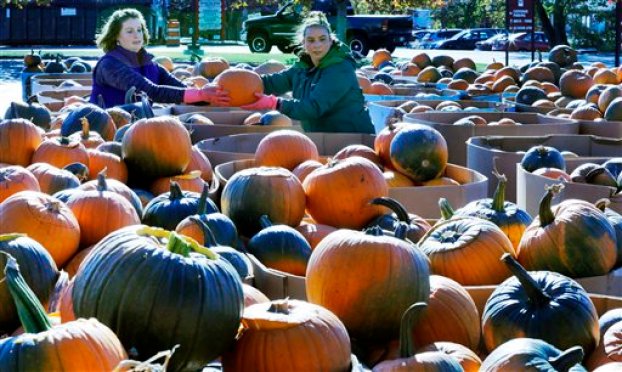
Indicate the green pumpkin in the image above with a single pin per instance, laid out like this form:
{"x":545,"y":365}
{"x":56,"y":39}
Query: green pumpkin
{"x":419,"y":151}
{"x":37,"y":267}
{"x":156,"y":289}
{"x":417,"y":226}
{"x":574,"y":239}
{"x":615,"y":219}
{"x":528,"y":354}
{"x":511,"y":220}
{"x":168,"y":209}
{"x":543,"y":305}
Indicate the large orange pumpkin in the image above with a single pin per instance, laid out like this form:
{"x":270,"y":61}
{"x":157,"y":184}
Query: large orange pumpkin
{"x":285,"y":148}
{"x":44,"y":219}
{"x":575,"y":83}
{"x":338,"y":193}
{"x":114,"y":165}
{"x":382,"y":142}
{"x":60,"y":152}
{"x":303,"y":169}
{"x":241,"y":84}
{"x":211,"y":67}
{"x":14,"y":179}
{"x":200,"y":162}
{"x":19,"y":138}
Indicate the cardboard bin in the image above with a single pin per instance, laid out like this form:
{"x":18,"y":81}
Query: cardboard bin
{"x":47,"y":81}
{"x":457,"y":135}
{"x":484,"y":153}
{"x":242,"y":146}
{"x":611,"y":129}
{"x":277,"y":284}
{"x":422,"y":200}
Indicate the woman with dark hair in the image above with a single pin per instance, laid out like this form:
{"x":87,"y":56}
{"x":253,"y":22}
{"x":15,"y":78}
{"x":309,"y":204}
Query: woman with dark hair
{"x":325,"y":90}
{"x":127,"y":64}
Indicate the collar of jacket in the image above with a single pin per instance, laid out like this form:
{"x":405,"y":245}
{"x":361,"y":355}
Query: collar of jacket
{"x":133,"y":59}
{"x":337,"y":53}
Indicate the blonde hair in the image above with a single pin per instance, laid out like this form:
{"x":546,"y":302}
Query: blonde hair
{"x":314,"y":19}
{"x":107,"y":40}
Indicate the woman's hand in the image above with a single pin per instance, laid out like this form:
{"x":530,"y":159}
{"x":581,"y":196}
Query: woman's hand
{"x":208,"y":93}
{"x":264,"y":102}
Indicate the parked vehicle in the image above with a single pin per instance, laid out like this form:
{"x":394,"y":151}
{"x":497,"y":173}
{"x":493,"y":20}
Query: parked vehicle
{"x":521,"y":42}
{"x":364,"y":32}
{"x":466,"y":39}
{"x":431,"y":37}
{"x":487,"y":44}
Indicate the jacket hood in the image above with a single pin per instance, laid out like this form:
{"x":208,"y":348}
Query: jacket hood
{"x":337,"y":53}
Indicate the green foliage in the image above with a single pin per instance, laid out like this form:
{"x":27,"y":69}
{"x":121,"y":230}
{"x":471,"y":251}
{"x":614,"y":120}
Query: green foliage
{"x":22,"y":3}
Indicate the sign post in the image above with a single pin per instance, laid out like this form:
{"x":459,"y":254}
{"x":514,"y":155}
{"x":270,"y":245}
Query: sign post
{"x":520,"y":18}
{"x":618,"y":30}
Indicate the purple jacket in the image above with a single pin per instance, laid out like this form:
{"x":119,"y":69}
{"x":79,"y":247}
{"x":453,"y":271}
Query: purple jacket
{"x":120,"y":69}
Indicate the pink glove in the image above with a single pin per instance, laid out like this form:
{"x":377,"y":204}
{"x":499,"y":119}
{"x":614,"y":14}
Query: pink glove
{"x":264,"y":102}
{"x":209,"y":93}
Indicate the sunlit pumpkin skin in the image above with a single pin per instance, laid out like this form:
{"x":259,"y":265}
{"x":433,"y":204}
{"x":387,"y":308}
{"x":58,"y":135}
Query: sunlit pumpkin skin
{"x":419,"y":151}
{"x":54,"y":348}
{"x":157,"y":147}
{"x":417,"y":226}
{"x":60,"y":152}
{"x":14,"y":179}
{"x":253,"y":296}
{"x":552,"y":173}
{"x":98,"y":120}
{"x":532,"y":355}
{"x":303,"y":169}
{"x":609,"y":367}
{"x":274,"y":333}
{"x":19,"y":138}
{"x":379,"y":268}
{"x":241,"y":84}
{"x":100,"y":212}
{"x":150,"y":318}
{"x":90,"y":139}
{"x":573,"y":238}
{"x":397,"y":179}
{"x":114,"y":165}
{"x":253,"y":192}
{"x":610,"y":349}
{"x":52,"y":179}
{"x":542,"y":157}
{"x":314,"y":232}
{"x":285,"y":148}
{"x":222,"y":227}
{"x":530,"y":304}
{"x":43,"y":218}
{"x":429,"y":361}
{"x":280,"y":247}
{"x":359,"y":150}
{"x":38,"y":269}
{"x":467,"y":358}
{"x":615,"y":219}
{"x":200,"y":162}
{"x":187,"y":182}
{"x":468,"y":251}
{"x":511,"y":220}
{"x":338,"y":194}
{"x":169,"y":209}
{"x":382,"y":142}
{"x":119,"y":188}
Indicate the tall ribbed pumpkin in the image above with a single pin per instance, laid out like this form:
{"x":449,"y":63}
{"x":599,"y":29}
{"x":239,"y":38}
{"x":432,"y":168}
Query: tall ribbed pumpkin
{"x":156,"y":289}
{"x":368,"y":280}
{"x":573,"y":238}
{"x":253,"y":192}
{"x":82,"y":345}
{"x":274,"y":334}
{"x":339,"y":193}
{"x":157,"y":147}
{"x":19,"y":138}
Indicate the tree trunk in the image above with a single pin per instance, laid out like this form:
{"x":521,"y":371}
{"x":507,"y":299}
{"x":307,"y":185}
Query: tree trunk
{"x":545,"y":21}
{"x":342,"y":25}
{"x":559,"y":22}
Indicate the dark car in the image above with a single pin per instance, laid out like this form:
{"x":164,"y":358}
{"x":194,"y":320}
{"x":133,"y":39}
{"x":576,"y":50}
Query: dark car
{"x":434,"y":36}
{"x":487,"y":44}
{"x":465,"y":40}
{"x":521,"y":42}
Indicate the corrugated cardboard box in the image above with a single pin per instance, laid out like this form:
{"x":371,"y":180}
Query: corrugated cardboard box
{"x":457,"y":135}
{"x":483,"y":153}
{"x":383,"y":112}
{"x":276,"y":284}
{"x":242,"y":146}
{"x":611,"y":129}
{"x":422,"y":200}
{"x":45,"y":81}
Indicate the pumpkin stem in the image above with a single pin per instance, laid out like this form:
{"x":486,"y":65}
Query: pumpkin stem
{"x":602,"y":204}
{"x":202,"y":208}
{"x":101,"y":181}
{"x":401,"y":230}
{"x":531,"y":287}
{"x":209,"y":240}
{"x":447,"y":211}
{"x":393,"y":205}
{"x":53,"y":206}
{"x":567,"y":359}
{"x":176,"y":243}
{"x":498,"y":199}
{"x":545,"y":213}
{"x":409,"y":318}
{"x":64,"y":141}
{"x":175,"y":192}
{"x":11,"y":236}
{"x":129,"y":95}
{"x":279,"y":306}
{"x":264,"y":221}
{"x":31,"y":313}
{"x":86,"y":127}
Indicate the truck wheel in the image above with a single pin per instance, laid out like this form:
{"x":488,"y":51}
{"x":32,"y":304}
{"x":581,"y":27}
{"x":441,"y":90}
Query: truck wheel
{"x":259,"y":43}
{"x":358,"y":43}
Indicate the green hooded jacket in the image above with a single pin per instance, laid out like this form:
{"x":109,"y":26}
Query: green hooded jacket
{"x":326,"y":98}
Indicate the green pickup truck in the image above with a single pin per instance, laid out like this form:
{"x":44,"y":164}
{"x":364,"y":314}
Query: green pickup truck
{"x":364,"y":32}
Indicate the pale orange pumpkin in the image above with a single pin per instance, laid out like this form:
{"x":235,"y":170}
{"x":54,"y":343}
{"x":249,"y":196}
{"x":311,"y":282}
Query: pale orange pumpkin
{"x":19,"y":138}
{"x":114,"y":165}
{"x":285,"y":148}
{"x":60,"y":152}
{"x":14,"y":179}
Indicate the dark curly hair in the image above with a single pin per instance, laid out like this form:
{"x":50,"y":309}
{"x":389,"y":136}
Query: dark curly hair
{"x":107,"y":40}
